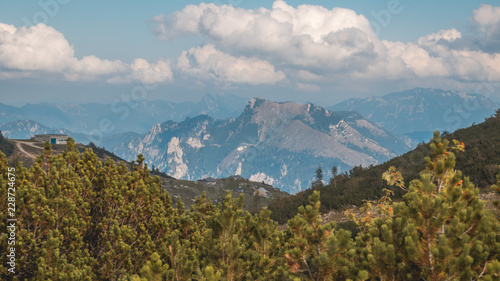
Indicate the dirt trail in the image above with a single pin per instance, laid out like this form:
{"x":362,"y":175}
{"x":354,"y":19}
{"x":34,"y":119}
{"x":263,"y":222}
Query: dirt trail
{"x":20,"y":147}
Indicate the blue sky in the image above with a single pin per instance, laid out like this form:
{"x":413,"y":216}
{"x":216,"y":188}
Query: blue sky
{"x":323,"y":51}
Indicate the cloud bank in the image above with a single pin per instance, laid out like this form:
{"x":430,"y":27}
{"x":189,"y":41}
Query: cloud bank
{"x":307,"y":47}
{"x":310,"y":43}
{"x":40,"y":50}
{"x":207,"y":63}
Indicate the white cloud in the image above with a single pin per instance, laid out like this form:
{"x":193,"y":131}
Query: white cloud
{"x":208,"y":63}
{"x":307,"y":46}
{"x":415,"y":60}
{"x":261,"y":177}
{"x":150,"y":73}
{"x":308,"y":35}
{"x":449,"y":35}
{"x":145,"y":72}
{"x":311,"y":43}
{"x":487,"y":20}
{"x":434,"y":57}
{"x":182,"y":22}
{"x":42,"y":48}
{"x":487,"y":17}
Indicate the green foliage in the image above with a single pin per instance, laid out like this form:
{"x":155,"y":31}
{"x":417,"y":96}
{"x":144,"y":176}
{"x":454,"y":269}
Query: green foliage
{"x":496,"y":189}
{"x":6,"y":147}
{"x":318,"y":180}
{"x":103,"y":153}
{"x":440,"y":231}
{"x":316,"y":250}
{"x":83,"y":219}
{"x":333,"y":181}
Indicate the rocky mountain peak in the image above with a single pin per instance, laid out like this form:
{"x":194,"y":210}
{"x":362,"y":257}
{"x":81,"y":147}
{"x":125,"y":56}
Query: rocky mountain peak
{"x":276,"y":142}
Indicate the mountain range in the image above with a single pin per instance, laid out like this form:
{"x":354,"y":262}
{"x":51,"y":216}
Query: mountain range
{"x":418,"y":112}
{"x":280,"y":144}
{"x":478,"y":162}
{"x":277,"y":143}
{"x":121,"y":116}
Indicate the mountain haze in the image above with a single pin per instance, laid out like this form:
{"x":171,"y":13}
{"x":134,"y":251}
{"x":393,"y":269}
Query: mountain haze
{"x":26,"y":129}
{"x":121,"y":116}
{"x":418,"y":112}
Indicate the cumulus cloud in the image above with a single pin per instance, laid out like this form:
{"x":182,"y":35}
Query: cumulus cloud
{"x":208,"y":63}
{"x":151,"y":73}
{"x":145,"y":72}
{"x":32,"y":51}
{"x":449,"y":35}
{"x":42,"y":48}
{"x":487,"y":19}
{"x":433,"y":56}
{"x":308,"y":35}
{"x":311,"y":43}
{"x":307,"y":46}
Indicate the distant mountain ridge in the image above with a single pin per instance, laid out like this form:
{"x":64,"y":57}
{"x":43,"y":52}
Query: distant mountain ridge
{"x":414,"y":113}
{"x":479,"y":162}
{"x":26,"y":129}
{"x":120,"y":117}
{"x":418,"y":112}
{"x":278,"y":143}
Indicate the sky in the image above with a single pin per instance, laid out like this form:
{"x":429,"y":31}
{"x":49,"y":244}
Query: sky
{"x":75,"y":51}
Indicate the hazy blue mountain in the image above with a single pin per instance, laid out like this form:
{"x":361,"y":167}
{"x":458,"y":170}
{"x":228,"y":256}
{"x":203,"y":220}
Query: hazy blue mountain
{"x":103,"y":120}
{"x":26,"y":129}
{"x":112,"y":141}
{"x":418,"y":112}
{"x":8,"y":113}
{"x":278,"y":143}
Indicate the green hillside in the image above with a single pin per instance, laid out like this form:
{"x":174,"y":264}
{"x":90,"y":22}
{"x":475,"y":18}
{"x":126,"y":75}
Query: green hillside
{"x":479,"y":162}
{"x":71,"y":216}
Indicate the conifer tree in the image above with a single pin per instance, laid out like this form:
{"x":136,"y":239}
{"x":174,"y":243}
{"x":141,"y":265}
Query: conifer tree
{"x":333,"y":181}
{"x":82,"y":219}
{"x":317,"y":251}
{"x":439,"y":232}
{"x":268,"y":253}
{"x":53,"y":219}
{"x":153,"y":270}
{"x":210,"y":275}
{"x":225,"y":241}
{"x":496,"y":189}
{"x":318,"y":180}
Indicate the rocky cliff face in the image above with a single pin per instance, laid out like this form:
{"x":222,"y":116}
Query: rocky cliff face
{"x":278,"y":143}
